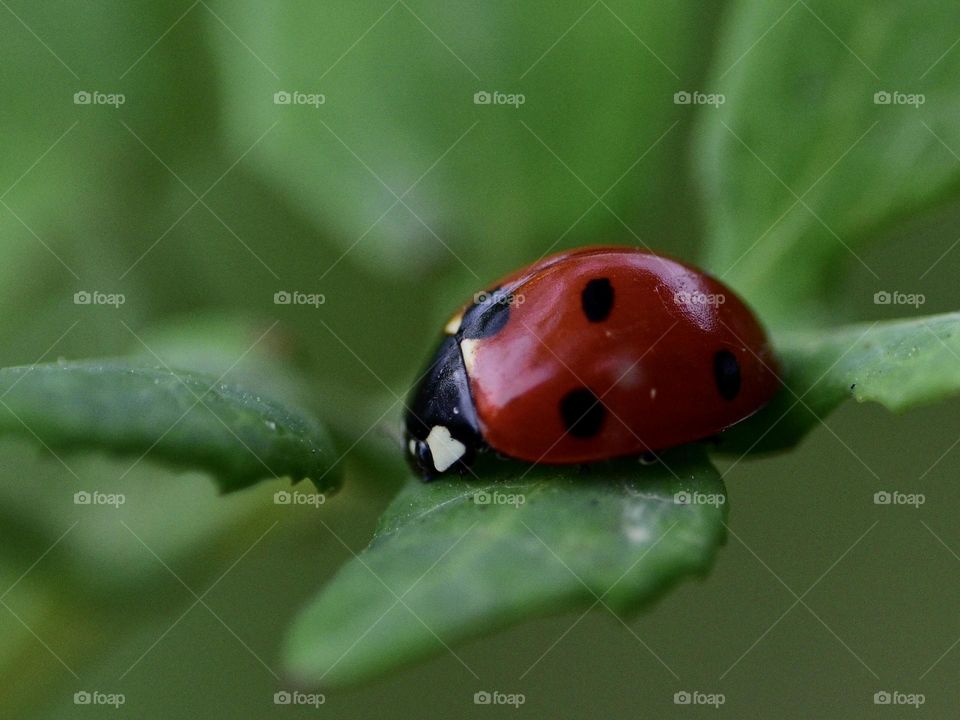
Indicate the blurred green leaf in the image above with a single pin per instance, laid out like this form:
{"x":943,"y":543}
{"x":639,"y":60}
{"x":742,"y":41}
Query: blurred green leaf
{"x":444,"y":566}
{"x":186,"y":420}
{"x":805,"y":163}
{"x":171,"y":512}
{"x":234,"y":348}
{"x":81,"y":198}
{"x":402,"y":168}
{"x":900,"y":364}
{"x":15,"y":636}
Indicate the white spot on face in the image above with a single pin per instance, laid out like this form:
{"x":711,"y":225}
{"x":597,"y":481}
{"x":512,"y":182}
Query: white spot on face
{"x":412,"y":446}
{"x":444,"y":448}
{"x":468,"y":348}
{"x":453,"y":324}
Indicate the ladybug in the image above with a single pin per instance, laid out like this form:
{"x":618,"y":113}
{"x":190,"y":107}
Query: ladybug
{"x":588,"y":355}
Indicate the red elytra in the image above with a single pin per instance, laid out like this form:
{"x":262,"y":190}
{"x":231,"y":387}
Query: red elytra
{"x":588,"y":355}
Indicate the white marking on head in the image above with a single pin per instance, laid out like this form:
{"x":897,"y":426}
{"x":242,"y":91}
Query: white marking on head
{"x":468,"y":349}
{"x":412,"y":446}
{"x":453,"y":324}
{"x":444,"y":448}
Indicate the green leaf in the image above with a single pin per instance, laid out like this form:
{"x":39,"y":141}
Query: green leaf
{"x":443,"y":568}
{"x":189,"y":421}
{"x":800,"y":166}
{"x":236,"y":349}
{"x":900,"y":364}
{"x":399,"y":115}
{"x":79,"y":193}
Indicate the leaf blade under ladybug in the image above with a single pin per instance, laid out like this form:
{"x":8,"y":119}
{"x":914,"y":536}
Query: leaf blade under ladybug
{"x":900,"y":364}
{"x":443,"y":569}
{"x":182,"y":419}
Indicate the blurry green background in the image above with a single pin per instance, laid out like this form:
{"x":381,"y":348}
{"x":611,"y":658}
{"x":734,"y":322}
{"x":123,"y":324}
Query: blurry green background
{"x":199,"y":198}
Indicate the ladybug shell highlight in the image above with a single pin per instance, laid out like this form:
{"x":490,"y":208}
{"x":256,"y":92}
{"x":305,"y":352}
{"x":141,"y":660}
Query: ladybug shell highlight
{"x":588,"y":355}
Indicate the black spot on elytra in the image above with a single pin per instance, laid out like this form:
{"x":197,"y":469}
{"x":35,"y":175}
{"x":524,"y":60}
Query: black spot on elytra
{"x":726,"y":373}
{"x":582,"y":413}
{"x":487,"y":316}
{"x":597,"y":299}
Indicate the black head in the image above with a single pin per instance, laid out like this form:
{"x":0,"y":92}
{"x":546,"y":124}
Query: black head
{"x":441,"y":423}
{"x":442,"y":430}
